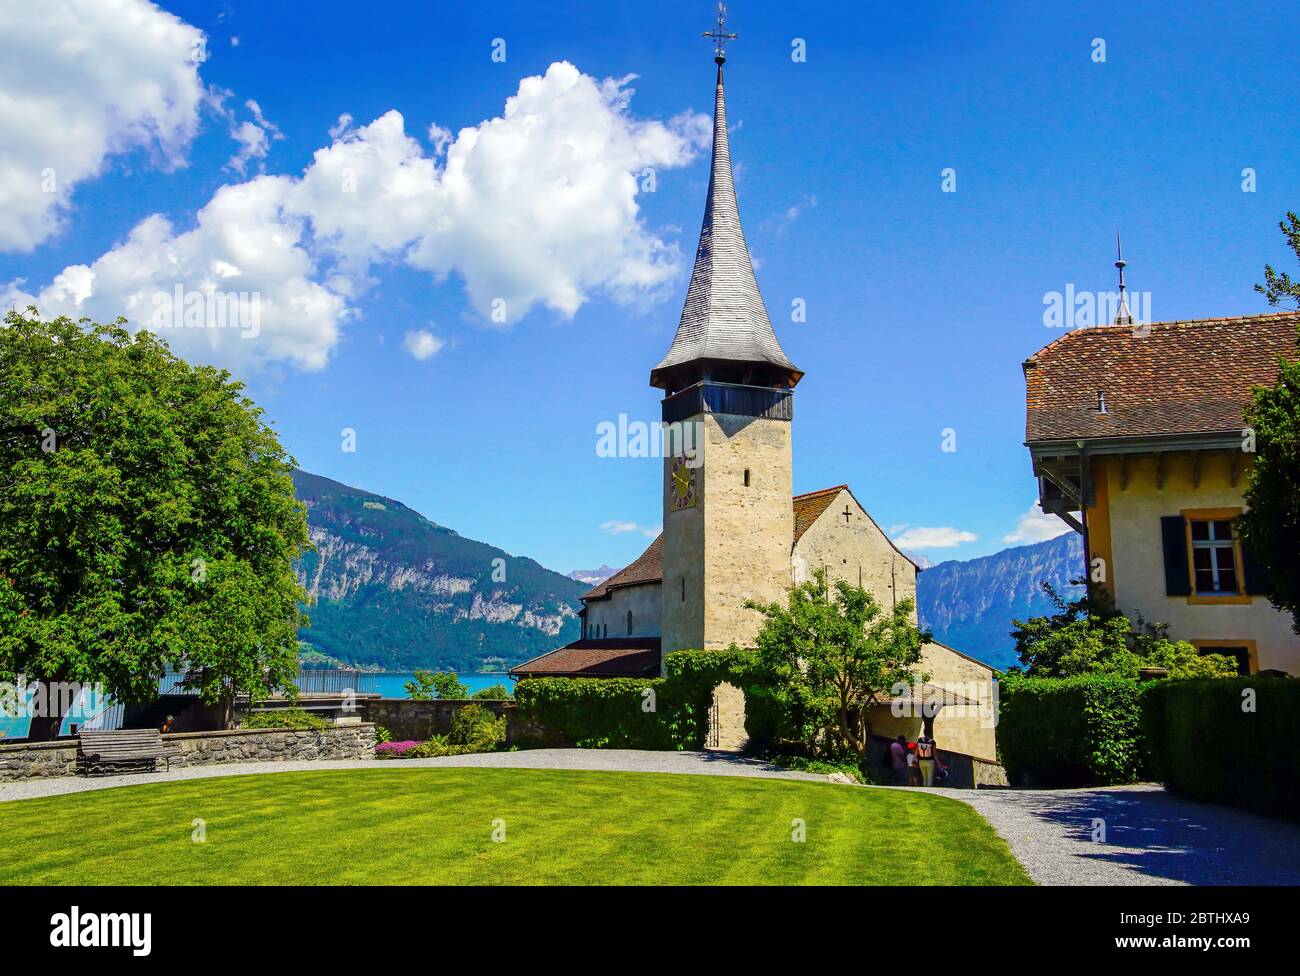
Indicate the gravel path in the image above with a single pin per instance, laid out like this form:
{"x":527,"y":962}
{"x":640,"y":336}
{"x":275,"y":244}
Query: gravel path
{"x":616,"y":760}
{"x":1151,"y":837}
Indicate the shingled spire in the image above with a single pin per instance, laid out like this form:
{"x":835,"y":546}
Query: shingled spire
{"x":724,"y":333}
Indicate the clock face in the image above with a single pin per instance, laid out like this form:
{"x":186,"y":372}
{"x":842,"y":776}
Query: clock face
{"x":681,"y":489}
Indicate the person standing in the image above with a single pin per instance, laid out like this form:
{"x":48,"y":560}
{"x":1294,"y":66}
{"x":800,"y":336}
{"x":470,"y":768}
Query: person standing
{"x":913,"y":770}
{"x":898,"y":760}
{"x":925,"y":759}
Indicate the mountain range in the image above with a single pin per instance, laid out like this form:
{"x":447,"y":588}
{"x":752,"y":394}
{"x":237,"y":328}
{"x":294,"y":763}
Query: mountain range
{"x":593,"y":577}
{"x":969,"y":604}
{"x":396,"y":591}
{"x":393,"y":590}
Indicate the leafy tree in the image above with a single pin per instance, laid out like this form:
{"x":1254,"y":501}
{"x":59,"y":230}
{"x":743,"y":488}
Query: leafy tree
{"x":828,"y":657}
{"x":1270,"y":527}
{"x":147,"y":520}
{"x":1278,"y":286}
{"x":443,"y":684}
{"x":1081,"y":638}
{"x":496,"y":692}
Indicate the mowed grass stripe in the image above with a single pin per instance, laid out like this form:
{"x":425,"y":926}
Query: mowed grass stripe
{"x":434,"y":826}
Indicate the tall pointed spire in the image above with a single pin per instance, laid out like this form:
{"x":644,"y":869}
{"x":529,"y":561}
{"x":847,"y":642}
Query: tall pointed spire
{"x":1122,"y":314}
{"x":724,"y":332}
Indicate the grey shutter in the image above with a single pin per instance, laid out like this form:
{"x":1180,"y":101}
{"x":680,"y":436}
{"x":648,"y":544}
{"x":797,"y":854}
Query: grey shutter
{"x":1173,"y":533}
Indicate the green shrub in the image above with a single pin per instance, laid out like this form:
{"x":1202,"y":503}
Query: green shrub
{"x":617,"y":713}
{"x":596,"y":713}
{"x":285,"y":718}
{"x":496,"y":692}
{"x":478,"y":728}
{"x":824,"y":766}
{"x":426,"y":685}
{"x":382,"y":735}
{"x":1070,"y":731}
{"x":1202,"y":741}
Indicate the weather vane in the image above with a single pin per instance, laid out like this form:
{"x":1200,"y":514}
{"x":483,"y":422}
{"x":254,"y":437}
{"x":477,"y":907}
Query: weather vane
{"x":719,"y":35}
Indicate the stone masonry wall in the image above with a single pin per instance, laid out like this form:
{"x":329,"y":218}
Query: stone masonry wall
{"x":406,"y":718}
{"x":258,"y":745}
{"x":855,"y":550}
{"x":36,"y":760}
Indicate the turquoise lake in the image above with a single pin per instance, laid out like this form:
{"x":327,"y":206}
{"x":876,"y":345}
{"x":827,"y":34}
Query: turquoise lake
{"x":389,"y":684}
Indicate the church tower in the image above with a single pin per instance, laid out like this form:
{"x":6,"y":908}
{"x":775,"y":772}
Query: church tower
{"x":728,"y":404}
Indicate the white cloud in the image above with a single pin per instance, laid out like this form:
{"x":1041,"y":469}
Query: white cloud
{"x":617,"y":527}
{"x":422,"y":343}
{"x":940,"y":537}
{"x":81,"y":80}
{"x":254,"y":136}
{"x":243,"y":241}
{"x":1036,"y":525}
{"x":536,"y":207}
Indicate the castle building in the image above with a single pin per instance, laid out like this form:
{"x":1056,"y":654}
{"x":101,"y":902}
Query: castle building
{"x":732,"y":528}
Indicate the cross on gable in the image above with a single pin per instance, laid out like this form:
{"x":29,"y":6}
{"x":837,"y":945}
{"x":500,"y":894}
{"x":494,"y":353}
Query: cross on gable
{"x":846,"y":514}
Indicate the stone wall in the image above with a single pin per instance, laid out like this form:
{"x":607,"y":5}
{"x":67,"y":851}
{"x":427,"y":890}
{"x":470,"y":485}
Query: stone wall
{"x":734,"y":543}
{"x":608,"y":618}
{"x":262,"y":745}
{"x":857,"y":551}
{"x":406,"y":719}
{"x":37,"y":759}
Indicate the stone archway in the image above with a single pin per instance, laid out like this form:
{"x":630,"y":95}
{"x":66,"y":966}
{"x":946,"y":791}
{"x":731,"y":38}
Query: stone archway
{"x":727,"y":720}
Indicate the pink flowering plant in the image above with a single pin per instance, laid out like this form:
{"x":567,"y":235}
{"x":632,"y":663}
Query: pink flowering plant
{"x":394,"y":750}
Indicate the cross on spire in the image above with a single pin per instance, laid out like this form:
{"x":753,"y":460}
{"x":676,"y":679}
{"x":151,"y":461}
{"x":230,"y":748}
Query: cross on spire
{"x":719,"y":35}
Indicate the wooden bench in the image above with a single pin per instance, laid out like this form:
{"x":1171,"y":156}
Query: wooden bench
{"x":126,"y":745}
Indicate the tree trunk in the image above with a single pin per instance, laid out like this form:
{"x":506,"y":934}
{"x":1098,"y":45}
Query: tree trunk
{"x":45,"y":727}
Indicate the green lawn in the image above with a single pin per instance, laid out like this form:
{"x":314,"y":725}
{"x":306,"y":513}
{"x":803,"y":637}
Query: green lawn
{"x":434,"y":826}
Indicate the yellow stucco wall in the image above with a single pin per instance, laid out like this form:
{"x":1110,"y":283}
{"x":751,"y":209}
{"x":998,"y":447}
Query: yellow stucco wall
{"x":1135,"y":567}
{"x":968,"y":729}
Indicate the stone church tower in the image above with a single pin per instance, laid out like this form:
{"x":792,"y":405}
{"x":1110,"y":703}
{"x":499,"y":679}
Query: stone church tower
{"x":729,"y":401}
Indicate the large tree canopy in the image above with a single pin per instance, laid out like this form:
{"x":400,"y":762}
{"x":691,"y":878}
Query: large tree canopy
{"x":1270,"y":528}
{"x":147,"y":519}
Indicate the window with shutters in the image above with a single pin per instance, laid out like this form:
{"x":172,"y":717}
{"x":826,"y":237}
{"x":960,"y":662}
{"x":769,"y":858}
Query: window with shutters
{"x":1214,"y":556}
{"x":1214,"y":560}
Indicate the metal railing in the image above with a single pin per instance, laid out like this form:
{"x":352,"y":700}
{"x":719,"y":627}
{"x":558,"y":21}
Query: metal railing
{"x":335,"y":682}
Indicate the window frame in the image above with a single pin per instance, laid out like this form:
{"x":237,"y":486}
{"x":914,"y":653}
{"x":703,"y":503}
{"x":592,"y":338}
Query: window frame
{"x":1251,"y":646}
{"x":1191,"y":515}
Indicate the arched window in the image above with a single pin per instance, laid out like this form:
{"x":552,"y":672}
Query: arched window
{"x":629,"y":623}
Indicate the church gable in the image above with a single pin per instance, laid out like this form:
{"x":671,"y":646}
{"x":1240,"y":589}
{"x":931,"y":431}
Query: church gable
{"x":834,"y":532}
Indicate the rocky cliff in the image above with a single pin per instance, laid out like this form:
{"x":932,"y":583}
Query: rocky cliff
{"x":393,"y":589}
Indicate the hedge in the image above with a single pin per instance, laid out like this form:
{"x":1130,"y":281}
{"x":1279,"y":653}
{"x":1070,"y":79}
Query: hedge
{"x":1070,"y":731}
{"x":614,"y":712}
{"x":1205,"y":743}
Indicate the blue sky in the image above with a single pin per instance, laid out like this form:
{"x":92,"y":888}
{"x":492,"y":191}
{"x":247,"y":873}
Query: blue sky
{"x":921,"y":304}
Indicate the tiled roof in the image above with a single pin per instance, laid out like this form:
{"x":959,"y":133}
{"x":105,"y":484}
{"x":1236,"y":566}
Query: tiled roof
{"x":808,"y":508}
{"x":611,"y":657}
{"x":1163,"y":379}
{"x":648,"y":568}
